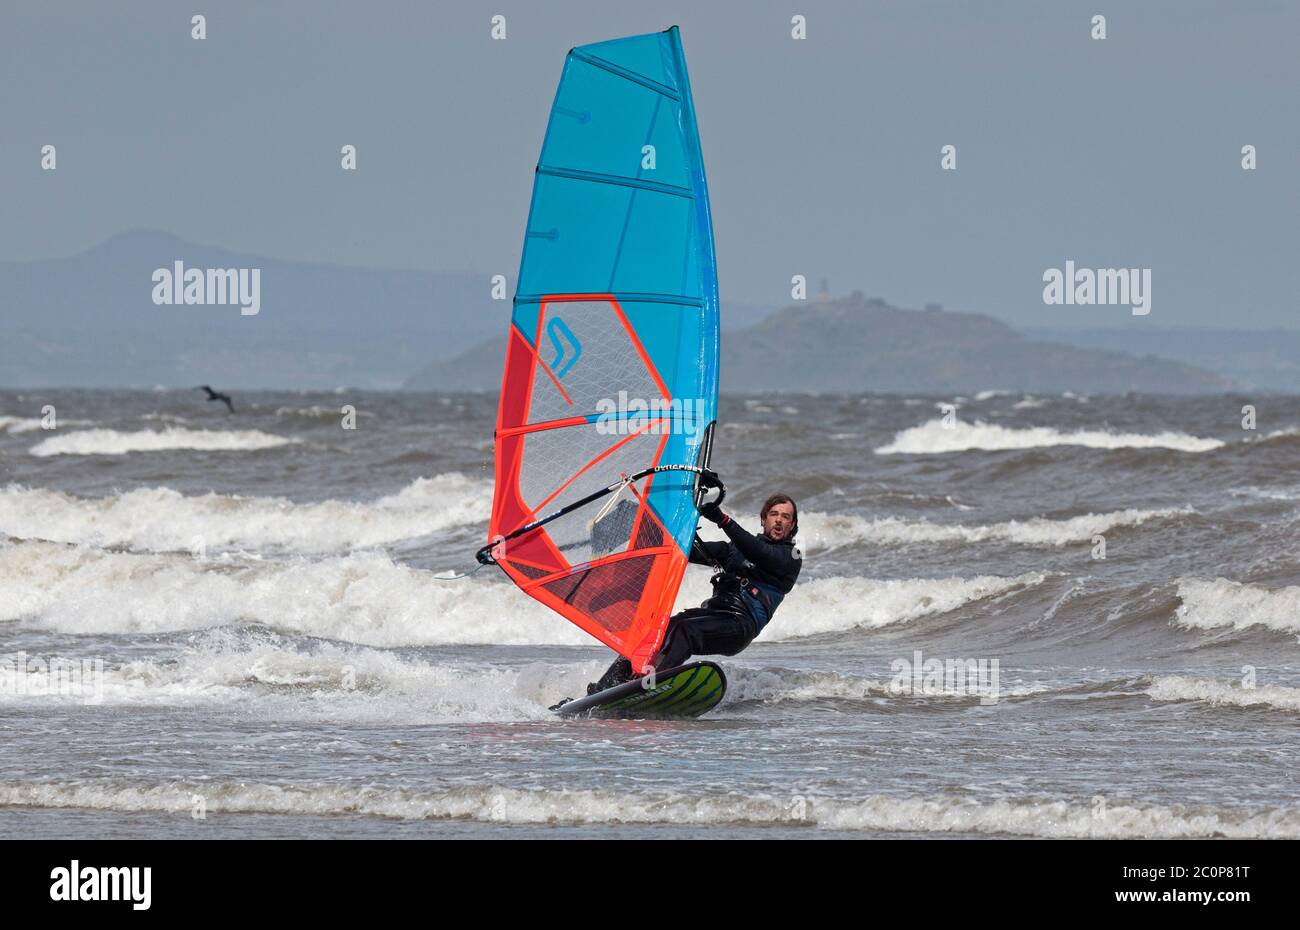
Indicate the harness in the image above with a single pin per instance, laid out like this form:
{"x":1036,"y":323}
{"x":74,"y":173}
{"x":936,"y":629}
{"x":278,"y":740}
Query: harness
{"x":740,"y":594}
{"x":759,"y":601}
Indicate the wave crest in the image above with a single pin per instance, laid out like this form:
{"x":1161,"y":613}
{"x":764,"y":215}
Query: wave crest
{"x":115,"y":442}
{"x":1222,"y":603}
{"x":161,"y":519}
{"x":489,"y":803}
{"x":933,"y":437}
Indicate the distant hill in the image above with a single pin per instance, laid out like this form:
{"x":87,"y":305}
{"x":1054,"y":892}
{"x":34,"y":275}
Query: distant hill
{"x":1264,"y":359}
{"x":854,"y":344}
{"x":89,"y":320}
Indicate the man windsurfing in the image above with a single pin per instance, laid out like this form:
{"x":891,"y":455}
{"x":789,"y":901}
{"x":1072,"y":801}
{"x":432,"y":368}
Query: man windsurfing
{"x":754,"y":575}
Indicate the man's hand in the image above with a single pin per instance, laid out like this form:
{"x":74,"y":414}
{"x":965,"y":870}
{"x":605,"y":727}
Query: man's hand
{"x":713,"y":513}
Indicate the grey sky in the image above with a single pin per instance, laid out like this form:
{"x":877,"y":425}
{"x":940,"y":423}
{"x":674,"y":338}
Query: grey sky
{"x":823,"y":155}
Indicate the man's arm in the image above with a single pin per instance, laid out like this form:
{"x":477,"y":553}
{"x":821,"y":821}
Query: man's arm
{"x":770,"y":557}
{"x":708,"y":553}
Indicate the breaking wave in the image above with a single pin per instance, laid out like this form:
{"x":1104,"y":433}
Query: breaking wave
{"x":161,"y":519}
{"x":1220,"y":693}
{"x":1222,"y":603}
{"x":501,"y":804}
{"x":114,"y":442}
{"x":823,"y":531}
{"x":933,"y":437}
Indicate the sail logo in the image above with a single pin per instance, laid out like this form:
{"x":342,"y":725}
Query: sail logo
{"x":624,"y":416}
{"x":1119,"y":286}
{"x":946,"y":678}
{"x":560,"y":334}
{"x":240,"y":287}
{"x":87,"y":883}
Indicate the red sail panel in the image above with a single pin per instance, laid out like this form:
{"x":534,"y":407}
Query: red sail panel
{"x":610,"y":567}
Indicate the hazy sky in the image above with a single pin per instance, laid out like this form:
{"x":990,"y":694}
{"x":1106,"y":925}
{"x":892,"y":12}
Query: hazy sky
{"x":822,"y":154}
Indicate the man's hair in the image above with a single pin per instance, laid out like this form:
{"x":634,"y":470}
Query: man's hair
{"x":780,"y":498}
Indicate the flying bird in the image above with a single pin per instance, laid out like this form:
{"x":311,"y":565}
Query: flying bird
{"x":217,"y":395}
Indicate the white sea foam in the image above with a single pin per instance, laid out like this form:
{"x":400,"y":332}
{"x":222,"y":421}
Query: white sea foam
{"x":1058,"y":818}
{"x":317,"y":412}
{"x":114,"y":442}
{"x":367,"y":598}
{"x":820,"y":531}
{"x":16,"y":425}
{"x":363,"y":597}
{"x":500,"y":804}
{"x":834,"y":605}
{"x":1285,"y":433}
{"x":1270,"y":494}
{"x":1221,"y":693}
{"x":777,"y":685}
{"x":773,"y":685}
{"x":1223,"y":603}
{"x":162,"y":519}
{"x":933,"y":437}
{"x":265,"y":676}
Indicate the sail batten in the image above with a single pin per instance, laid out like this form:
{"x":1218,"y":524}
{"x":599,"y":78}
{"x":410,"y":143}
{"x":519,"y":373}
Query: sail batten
{"x":596,"y":178}
{"x":624,"y":73}
{"x":622,"y":297}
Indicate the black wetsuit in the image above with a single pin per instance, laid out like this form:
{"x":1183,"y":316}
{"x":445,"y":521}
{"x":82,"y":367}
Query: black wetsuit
{"x":755,"y":574}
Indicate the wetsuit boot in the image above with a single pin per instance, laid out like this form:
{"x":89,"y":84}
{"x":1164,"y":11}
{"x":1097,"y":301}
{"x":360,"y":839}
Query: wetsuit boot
{"x":616,"y":674}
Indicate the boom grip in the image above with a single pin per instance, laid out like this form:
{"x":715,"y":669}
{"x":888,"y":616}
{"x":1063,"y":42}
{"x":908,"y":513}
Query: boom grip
{"x":709,"y":479}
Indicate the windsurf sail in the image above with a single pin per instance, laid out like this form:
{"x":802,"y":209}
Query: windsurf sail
{"x":610,"y":387}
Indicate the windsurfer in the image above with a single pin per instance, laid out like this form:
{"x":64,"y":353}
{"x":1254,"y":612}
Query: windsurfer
{"x":754,"y":575}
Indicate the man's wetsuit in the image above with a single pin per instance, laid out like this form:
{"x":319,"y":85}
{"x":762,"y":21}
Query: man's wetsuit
{"x":755,"y":574}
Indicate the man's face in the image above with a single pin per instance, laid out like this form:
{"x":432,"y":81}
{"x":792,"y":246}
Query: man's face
{"x":778,"y":521}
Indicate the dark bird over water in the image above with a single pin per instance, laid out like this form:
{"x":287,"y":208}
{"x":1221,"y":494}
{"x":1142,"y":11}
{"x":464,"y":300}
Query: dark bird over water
{"x":217,"y":395}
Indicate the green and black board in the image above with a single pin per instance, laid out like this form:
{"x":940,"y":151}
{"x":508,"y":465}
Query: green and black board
{"x":686,"y":691}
